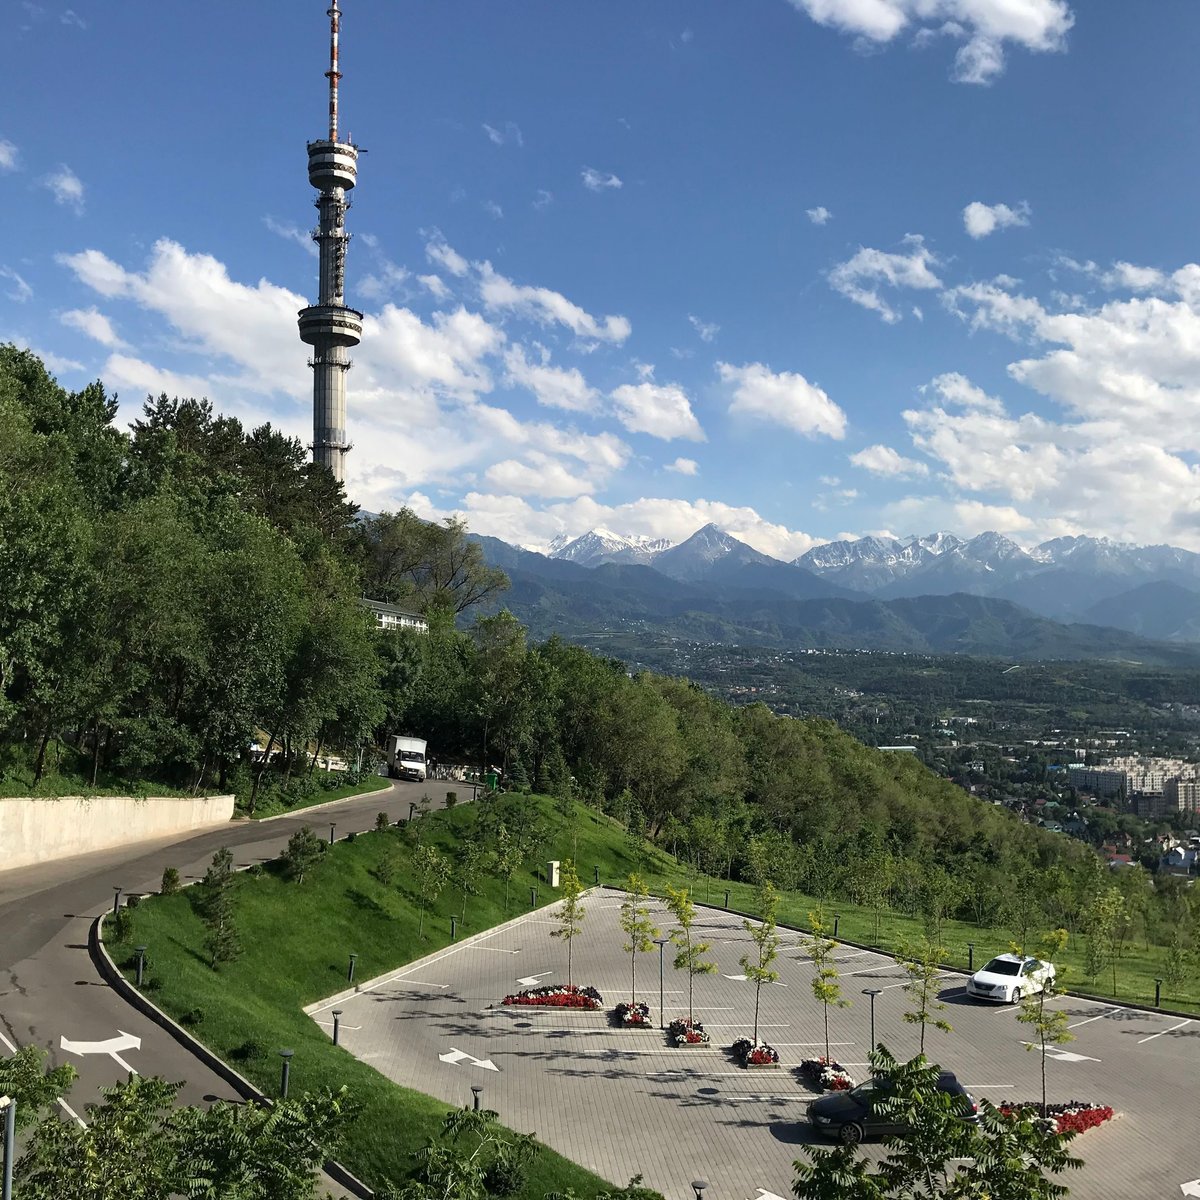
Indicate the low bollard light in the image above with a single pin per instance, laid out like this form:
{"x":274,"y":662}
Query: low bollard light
{"x":116,"y":898}
{"x":836,"y":919}
{"x":970,"y":956}
{"x":597,"y":870}
{"x":476,"y":1095}
{"x":140,"y":951}
{"x":285,"y":1073}
{"x":533,"y":897}
{"x":726,"y":897}
{"x":337,"y":1025}
{"x":453,"y":928}
{"x":350,"y":969}
{"x":1157,"y":993}
{"x":332,"y":827}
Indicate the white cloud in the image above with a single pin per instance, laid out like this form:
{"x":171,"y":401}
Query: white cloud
{"x":434,"y":285}
{"x":599,"y":181}
{"x":981,"y":219}
{"x":66,"y":187}
{"x":661,"y":410}
{"x":706,"y":329}
{"x":71,"y":17}
{"x":383,"y":281}
{"x":554,"y":387}
{"x":984,"y":27}
{"x":860,"y":278}
{"x":445,"y":256}
{"x":785,"y":398}
{"x":883,"y":460}
{"x":293,"y":233}
{"x":684,"y":466}
{"x":953,"y":388}
{"x":504,"y":135}
{"x":492,"y":209}
{"x":541,"y":477}
{"x":20,"y":291}
{"x":10,"y":156}
{"x":543,"y":199}
{"x":94,"y":324}
{"x":819,"y":215}
{"x":547,"y":306}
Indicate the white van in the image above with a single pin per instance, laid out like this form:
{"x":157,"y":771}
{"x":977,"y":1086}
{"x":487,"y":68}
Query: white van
{"x":406,"y":758}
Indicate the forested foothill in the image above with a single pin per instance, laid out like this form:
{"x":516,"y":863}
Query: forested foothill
{"x":178,"y":591}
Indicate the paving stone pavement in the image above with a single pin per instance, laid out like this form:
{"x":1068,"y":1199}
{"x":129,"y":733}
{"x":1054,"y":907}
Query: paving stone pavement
{"x":623,"y":1102}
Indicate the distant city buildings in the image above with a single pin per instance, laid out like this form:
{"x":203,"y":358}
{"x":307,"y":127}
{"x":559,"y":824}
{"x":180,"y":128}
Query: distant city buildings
{"x":1154,"y":787}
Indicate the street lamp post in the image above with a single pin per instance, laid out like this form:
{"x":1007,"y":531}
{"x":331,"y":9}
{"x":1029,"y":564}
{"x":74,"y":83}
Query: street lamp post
{"x":337,"y":1025}
{"x":286,"y":1073}
{"x":9,"y":1105}
{"x":476,"y":1094}
{"x":660,"y":942}
{"x":350,"y":969}
{"x":332,"y":827}
{"x":116,"y":898}
{"x":872,"y":992}
{"x":698,"y":1186}
{"x":412,"y":808}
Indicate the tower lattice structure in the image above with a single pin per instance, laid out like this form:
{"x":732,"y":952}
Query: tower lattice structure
{"x":329,"y":326}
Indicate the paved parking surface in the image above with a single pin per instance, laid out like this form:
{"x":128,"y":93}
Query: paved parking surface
{"x":622,"y":1102}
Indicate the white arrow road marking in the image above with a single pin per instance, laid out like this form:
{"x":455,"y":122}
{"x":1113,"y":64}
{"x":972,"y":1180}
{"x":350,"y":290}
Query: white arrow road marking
{"x":457,"y":1056}
{"x":740,"y":977}
{"x":61,"y":1102}
{"x":763,"y":1194}
{"x":1192,"y":1188}
{"x":112,"y":1047}
{"x":1056,"y":1055}
{"x":533,"y":980}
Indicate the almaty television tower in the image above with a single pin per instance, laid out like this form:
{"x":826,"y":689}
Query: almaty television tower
{"x":328,"y":326}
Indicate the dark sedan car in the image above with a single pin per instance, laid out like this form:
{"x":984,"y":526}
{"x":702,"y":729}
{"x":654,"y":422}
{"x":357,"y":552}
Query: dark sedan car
{"x":850,"y":1116}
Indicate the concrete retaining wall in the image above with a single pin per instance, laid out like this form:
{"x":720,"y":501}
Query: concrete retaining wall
{"x":37,"y":831}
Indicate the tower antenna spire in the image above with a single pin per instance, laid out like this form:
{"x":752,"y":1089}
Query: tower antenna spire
{"x":333,"y":74}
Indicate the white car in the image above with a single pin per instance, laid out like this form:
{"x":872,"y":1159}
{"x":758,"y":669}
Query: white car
{"x":1010,"y":977}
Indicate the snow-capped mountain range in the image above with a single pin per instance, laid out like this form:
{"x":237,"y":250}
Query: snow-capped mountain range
{"x":1062,"y":578}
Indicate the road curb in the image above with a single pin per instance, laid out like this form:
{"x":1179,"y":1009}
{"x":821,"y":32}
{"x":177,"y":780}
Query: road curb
{"x":112,"y":975}
{"x":296,"y":812}
{"x":428,"y":959}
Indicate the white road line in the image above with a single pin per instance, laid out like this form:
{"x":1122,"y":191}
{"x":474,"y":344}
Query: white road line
{"x":1162,"y":1031}
{"x":497,"y":950}
{"x":778,"y":1044}
{"x":761,"y":1025}
{"x":421,"y":983}
{"x":864,"y":971}
{"x":330,"y":1024}
{"x":62,"y":1103}
{"x":993,"y":1086}
{"x":1100,"y":1017}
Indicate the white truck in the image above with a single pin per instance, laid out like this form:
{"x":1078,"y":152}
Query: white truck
{"x":406,"y":758}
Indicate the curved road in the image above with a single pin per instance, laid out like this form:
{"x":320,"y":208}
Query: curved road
{"x":48,"y":987}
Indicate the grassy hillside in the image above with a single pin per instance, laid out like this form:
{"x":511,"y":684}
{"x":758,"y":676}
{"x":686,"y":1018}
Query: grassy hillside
{"x":296,"y":939}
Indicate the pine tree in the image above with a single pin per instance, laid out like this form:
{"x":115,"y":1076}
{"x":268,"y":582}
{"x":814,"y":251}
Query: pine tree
{"x":216,"y":910}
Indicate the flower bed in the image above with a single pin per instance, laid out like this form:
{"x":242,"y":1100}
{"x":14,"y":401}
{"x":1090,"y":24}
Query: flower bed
{"x":558,"y":996}
{"x":751,"y":1055}
{"x":633,"y":1016}
{"x":683,"y":1032}
{"x":826,"y":1073}
{"x":1075,"y":1116}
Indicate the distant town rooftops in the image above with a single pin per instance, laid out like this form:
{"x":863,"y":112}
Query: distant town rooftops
{"x":390,"y":617}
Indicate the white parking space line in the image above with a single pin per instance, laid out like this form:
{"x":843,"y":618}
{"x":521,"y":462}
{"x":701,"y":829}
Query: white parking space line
{"x":864,"y":971}
{"x":992,"y":1086}
{"x":495,"y":950}
{"x":11,"y":1048}
{"x":1162,"y":1031}
{"x":778,"y":1044}
{"x":330,"y":1024}
{"x":761,"y":1025}
{"x":1099,"y":1017}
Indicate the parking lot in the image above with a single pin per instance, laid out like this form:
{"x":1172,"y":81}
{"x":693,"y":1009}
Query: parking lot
{"x":623,"y":1102}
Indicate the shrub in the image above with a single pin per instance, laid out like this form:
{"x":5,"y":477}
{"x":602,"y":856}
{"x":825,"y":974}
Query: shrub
{"x":123,"y":925}
{"x":451,"y":799}
{"x":170,"y":881}
{"x":132,"y":900}
{"x":505,"y":1176}
{"x":193,"y":1016}
{"x":249,"y":1051}
{"x":381,"y":822}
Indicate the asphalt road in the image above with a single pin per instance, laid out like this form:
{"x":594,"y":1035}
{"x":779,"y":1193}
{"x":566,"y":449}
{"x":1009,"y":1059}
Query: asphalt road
{"x":49,"y":989}
{"x":622,"y":1102}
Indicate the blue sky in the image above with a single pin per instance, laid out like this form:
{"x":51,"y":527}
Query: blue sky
{"x":804,"y":268}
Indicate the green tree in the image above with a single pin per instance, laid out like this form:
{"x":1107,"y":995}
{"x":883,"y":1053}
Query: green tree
{"x":571,"y":914}
{"x":1048,"y":1025}
{"x":922,"y":965}
{"x":766,"y":946}
{"x":507,"y":857}
{"x":433,"y":871}
{"x":690,"y":953}
{"x":215,"y":901}
{"x":304,"y":850}
{"x":1179,"y":964}
{"x":1102,"y":924}
{"x":640,"y":931}
{"x":826,"y":988}
{"x":34,"y":1086}
{"x":469,"y":861}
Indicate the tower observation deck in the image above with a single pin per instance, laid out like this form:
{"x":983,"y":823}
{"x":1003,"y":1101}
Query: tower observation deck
{"x":329,"y":326}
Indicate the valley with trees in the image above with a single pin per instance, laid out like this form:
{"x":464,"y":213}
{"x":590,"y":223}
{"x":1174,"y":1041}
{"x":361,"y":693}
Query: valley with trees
{"x":183,"y":592}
